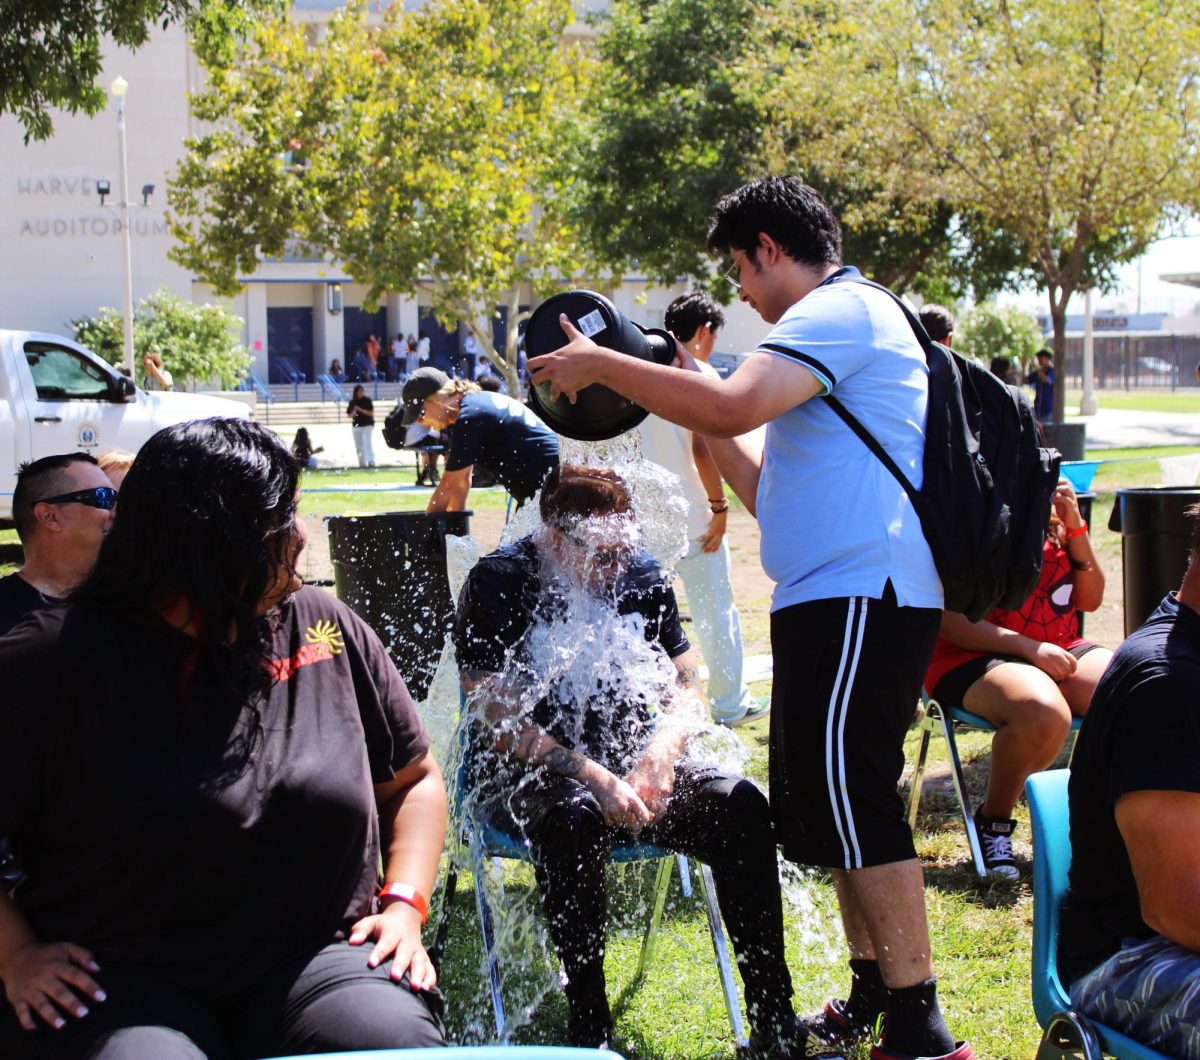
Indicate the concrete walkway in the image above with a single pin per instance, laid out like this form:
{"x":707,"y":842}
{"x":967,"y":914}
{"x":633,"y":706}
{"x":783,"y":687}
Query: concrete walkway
{"x":1123,"y":428}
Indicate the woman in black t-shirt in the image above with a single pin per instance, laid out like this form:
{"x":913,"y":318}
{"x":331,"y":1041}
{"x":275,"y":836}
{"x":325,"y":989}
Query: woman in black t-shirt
{"x":201,"y":764}
{"x":361,"y":411}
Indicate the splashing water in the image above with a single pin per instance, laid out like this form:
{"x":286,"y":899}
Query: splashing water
{"x":602,"y":675}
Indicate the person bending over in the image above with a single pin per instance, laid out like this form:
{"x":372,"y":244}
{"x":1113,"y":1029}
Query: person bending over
{"x":492,"y":430}
{"x":596,"y":757}
{"x":202,"y":767}
{"x":1028,"y":671}
{"x":1132,"y":918}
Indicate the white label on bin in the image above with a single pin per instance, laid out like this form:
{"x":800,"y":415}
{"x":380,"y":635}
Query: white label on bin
{"x":591,"y":324}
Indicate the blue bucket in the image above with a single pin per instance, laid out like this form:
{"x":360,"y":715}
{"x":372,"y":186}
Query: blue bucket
{"x":1079,"y":473}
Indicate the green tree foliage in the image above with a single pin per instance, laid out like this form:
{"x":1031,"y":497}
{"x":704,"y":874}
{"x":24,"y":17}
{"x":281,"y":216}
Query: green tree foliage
{"x":50,"y":50}
{"x":1069,"y":128}
{"x":198,"y":343}
{"x":683,"y":108}
{"x":416,"y":149}
{"x":992,"y":330}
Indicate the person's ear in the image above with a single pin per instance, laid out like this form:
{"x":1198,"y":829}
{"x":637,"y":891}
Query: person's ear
{"x":48,"y":516}
{"x":768,"y":248}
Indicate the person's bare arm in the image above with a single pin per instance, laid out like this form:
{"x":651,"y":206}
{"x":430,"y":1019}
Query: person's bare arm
{"x":43,"y":980}
{"x":987,"y":637}
{"x":1160,"y":830}
{"x":493,"y":700}
{"x":1087,"y":591}
{"x":680,"y":718}
{"x":412,"y":822}
{"x":763,"y":386}
{"x":450,"y":495}
{"x":714,"y":489}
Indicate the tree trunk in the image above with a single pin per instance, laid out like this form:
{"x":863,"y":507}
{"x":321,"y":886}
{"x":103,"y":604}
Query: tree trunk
{"x":1058,"y":319}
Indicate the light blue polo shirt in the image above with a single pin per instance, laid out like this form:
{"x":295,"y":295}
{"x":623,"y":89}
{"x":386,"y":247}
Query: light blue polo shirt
{"x":834,"y":521}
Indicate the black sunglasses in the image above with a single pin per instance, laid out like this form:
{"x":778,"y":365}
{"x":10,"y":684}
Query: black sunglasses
{"x":99,"y":497}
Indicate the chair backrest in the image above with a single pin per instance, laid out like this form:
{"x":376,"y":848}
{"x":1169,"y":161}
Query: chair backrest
{"x":1050,"y":823}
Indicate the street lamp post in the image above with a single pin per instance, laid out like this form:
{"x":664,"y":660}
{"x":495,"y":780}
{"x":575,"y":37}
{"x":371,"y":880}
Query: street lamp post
{"x":119,"y":87}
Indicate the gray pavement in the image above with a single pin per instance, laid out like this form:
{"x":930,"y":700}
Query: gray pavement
{"x":1122,"y":428}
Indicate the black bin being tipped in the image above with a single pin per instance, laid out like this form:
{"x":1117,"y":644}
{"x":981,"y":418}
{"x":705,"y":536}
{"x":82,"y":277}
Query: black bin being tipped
{"x":598,"y":413}
{"x":391,"y":570}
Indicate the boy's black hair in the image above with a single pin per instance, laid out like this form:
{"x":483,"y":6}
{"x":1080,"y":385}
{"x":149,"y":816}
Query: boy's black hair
{"x":791,"y":212}
{"x":690,"y":312}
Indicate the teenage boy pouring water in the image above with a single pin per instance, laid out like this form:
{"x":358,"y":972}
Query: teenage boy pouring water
{"x":857,"y":600}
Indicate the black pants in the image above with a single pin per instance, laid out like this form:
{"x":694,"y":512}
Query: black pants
{"x":721,"y":820}
{"x":328,"y":1003}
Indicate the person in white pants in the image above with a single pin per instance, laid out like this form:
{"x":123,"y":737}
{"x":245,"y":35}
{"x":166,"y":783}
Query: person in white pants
{"x":695,"y":319}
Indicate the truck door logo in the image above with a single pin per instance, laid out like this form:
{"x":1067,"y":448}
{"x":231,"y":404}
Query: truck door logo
{"x":88,"y":437}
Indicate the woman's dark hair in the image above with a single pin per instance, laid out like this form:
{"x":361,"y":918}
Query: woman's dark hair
{"x":791,"y":212}
{"x":573,"y":492}
{"x":358,"y":389}
{"x":206,"y":516}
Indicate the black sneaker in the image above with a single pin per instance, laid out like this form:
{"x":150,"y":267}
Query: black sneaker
{"x":827,"y":1035}
{"x":995,"y":841}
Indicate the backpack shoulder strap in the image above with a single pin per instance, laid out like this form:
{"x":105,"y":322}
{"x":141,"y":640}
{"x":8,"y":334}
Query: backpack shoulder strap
{"x":848,"y":417}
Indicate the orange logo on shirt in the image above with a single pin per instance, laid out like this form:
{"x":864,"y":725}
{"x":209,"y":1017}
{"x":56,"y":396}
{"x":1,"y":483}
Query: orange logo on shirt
{"x":324,"y":642}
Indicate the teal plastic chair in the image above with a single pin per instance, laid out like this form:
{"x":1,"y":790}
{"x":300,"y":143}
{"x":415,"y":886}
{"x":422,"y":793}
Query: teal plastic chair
{"x":473,"y":1052}
{"x":944,"y":720}
{"x":480,"y":841}
{"x":1067,"y":1032}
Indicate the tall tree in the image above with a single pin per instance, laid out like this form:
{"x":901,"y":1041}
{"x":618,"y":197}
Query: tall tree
{"x":50,"y":50}
{"x":678,"y":114}
{"x":416,"y":150}
{"x":1072,"y":128}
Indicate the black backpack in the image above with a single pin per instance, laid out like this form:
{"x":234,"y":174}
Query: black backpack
{"x":984,"y":502}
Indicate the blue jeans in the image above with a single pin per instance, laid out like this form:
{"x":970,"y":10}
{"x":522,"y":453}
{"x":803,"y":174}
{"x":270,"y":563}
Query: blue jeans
{"x":1149,"y":990}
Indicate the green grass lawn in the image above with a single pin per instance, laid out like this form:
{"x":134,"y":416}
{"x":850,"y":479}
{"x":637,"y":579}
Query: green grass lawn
{"x":1141,"y":400}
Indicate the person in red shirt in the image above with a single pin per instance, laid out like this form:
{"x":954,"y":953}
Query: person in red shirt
{"x":1027,"y":671}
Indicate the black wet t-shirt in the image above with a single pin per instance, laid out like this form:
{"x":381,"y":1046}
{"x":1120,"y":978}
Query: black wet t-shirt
{"x":17,"y":599}
{"x":503,"y":436}
{"x":1141,"y":733}
{"x":505,"y":595}
{"x":146,"y":831}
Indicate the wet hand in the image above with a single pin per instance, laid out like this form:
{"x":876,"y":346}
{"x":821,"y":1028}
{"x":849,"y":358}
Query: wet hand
{"x":50,"y":979}
{"x":621,"y":805}
{"x":397,"y":934}
{"x":1057,"y":662}
{"x":569,"y":368}
{"x":653,"y":779}
{"x":710,"y":540}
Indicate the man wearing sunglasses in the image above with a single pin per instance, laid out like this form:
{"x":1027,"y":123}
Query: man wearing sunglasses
{"x":63,"y":507}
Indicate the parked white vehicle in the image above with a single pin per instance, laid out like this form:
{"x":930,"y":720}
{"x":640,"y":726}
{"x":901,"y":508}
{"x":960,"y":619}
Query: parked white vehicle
{"x":58,"y":397}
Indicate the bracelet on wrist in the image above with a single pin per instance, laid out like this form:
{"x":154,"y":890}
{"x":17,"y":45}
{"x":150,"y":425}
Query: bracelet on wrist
{"x":1079,"y":531}
{"x":719,"y":509}
{"x":409,"y":895}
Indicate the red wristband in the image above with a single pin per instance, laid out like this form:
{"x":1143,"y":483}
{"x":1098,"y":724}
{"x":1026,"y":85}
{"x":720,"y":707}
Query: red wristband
{"x":1079,"y":531}
{"x":404,"y":892}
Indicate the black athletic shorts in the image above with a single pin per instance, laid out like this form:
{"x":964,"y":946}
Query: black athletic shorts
{"x":953,"y":686}
{"x":847,"y":682}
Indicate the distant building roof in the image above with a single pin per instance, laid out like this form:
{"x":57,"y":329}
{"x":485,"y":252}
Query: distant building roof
{"x":1190,"y":279}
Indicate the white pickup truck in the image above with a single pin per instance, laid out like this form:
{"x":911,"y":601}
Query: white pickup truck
{"x":58,"y":397}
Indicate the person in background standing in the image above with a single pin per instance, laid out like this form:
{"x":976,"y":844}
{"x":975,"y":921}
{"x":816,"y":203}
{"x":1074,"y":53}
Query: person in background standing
{"x":157,"y":377}
{"x":372,"y":351}
{"x":694,"y":319}
{"x":1042,"y":381}
{"x":423,"y":348}
{"x":411,"y":361}
{"x":361,"y":411}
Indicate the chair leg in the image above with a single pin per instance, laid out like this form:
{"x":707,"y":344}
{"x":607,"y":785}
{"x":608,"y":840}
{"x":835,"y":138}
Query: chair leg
{"x":685,"y":876}
{"x":662,"y":883}
{"x":960,"y":789}
{"x":708,"y":891}
{"x":1069,"y":1035}
{"x":918,"y":778}
{"x":487,"y":928}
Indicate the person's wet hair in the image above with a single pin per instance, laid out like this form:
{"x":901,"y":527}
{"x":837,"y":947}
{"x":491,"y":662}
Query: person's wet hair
{"x":42,"y":478}
{"x":572,"y":493}
{"x":207,"y":515}
{"x":690,"y":312}
{"x":791,"y":212}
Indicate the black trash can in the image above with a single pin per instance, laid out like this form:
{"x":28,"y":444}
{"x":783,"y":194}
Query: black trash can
{"x":1155,"y":540}
{"x":391,"y":569}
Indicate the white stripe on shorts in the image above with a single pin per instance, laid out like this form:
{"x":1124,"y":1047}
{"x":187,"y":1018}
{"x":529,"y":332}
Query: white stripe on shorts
{"x":835,"y":729}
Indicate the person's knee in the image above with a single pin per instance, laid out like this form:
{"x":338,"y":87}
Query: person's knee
{"x":571,"y":832}
{"x":137,"y":1043}
{"x":1043,"y":718}
{"x":369,"y":1014}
